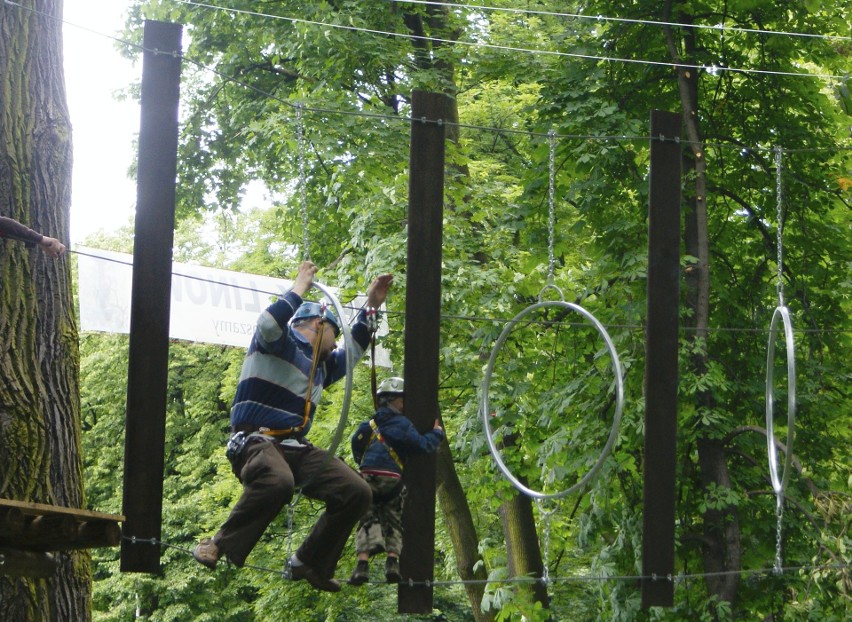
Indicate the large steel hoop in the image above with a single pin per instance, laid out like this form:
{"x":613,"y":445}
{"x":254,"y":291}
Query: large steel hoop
{"x":347,"y":392}
{"x":779,"y":484}
{"x":619,"y":401}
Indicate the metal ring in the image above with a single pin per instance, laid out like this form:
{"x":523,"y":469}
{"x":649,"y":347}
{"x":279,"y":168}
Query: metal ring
{"x":347,"y":394}
{"x":619,"y":401}
{"x":780,"y":484}
{"x":551,"y":286}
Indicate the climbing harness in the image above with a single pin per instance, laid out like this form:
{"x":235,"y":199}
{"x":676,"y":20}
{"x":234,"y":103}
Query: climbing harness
{"x":377,"y":435}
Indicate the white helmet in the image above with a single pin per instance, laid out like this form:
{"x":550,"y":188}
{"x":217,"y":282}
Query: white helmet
{"x":391,"y":386}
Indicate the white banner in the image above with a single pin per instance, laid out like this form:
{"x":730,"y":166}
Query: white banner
{"x":208,"y":305}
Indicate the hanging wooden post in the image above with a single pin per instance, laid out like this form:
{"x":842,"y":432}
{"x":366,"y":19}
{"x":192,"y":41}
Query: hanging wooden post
{"x":422,"y":341}
{"x":661,"y":350}
{"x":144,"y":447}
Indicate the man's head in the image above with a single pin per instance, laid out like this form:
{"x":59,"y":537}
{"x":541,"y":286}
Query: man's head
{"x":391,"y":392}
{"x":312,"y":317}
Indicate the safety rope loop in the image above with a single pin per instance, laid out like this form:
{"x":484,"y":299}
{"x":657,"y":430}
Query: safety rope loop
{"x":303,"y":193}
{"x":779,"y":200}
{"x":551,"y":218}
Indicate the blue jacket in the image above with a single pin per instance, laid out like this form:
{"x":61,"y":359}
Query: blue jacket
{"x":398,"y":432}
{"x":274,"y":378}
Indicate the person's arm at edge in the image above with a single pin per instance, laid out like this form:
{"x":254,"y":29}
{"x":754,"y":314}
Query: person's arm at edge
{"x":11,"y":228}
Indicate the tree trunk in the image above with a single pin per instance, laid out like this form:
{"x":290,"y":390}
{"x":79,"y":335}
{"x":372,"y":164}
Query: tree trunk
{"x":522,"y":546}
{"x":39,"y":361}
{"x":457,"y":516}
{"x":722,"y":550}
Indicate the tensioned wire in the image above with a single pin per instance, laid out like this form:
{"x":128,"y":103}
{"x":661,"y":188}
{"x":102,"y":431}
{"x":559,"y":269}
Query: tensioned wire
{"x":712,"y":68}
{"x":407,"y":119}
{"x":625,"y":20}
{"x":470,"y":318}
{"x":676,"y":578}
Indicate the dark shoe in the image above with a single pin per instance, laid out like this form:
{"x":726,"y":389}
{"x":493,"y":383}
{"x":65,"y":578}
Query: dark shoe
{"x":207,"y":553}
{"x":392,"y":570}
{"x":361,"y":574}
{"x":297,"y":573}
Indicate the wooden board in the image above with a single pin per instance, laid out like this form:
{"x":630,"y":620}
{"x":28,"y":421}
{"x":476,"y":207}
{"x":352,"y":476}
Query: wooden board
{"x":30,"y":532}
{"x":40,"y":509}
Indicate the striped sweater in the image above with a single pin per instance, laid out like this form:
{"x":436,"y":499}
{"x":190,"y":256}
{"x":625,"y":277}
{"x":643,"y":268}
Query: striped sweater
{"x":274,"y":378}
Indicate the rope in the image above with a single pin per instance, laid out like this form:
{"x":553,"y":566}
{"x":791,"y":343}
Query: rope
{"x":303,"y":192}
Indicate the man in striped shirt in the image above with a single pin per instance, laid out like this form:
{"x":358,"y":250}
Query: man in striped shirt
{"x":291,"y":358}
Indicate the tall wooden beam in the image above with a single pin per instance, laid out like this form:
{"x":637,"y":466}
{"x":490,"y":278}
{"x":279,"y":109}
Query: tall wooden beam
{"x":661,"y":350}
{"x":422,"y":341}
{"x":144,"y":448}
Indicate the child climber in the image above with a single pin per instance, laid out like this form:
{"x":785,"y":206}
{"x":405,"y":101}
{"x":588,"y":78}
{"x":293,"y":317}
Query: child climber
{"x":381,"y":447}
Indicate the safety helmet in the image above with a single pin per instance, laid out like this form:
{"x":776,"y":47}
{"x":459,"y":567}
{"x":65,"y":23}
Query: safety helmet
{"x":309,"y":310}
{"x":391,"y":386}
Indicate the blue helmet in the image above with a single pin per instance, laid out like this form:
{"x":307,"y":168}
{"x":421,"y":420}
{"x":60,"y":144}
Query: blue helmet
{"x":309,"y":310}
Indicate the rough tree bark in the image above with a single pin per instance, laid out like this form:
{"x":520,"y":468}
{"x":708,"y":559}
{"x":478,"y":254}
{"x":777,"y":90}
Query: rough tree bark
{"x":39,"y":361}
{"x":522,"y":543}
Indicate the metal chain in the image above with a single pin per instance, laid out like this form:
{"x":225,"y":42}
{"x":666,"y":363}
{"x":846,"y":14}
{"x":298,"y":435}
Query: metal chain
{"x":546,"y":515}
{"x":300,"y":137}
{"x":287,"y":573}
{"x":779,"y":516}
{"x":779,"y":194}
{"x":551,"y":222}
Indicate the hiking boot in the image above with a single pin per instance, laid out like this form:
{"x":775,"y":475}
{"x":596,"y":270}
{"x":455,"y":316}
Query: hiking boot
{"x":392,"y":570}
{"x":361,"y":574}
{"x":297,"y":573}
{"x":207,"y":553}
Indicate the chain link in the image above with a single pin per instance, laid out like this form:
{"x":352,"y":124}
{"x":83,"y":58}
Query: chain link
{"x":779,"y":195}
{"x":779,"y":516}
{"x":551,"y":221}
{"x":287,"y":573}
{"x":546,"y":516}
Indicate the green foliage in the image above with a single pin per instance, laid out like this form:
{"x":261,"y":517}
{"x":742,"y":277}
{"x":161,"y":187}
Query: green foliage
{"x":552,"y":391}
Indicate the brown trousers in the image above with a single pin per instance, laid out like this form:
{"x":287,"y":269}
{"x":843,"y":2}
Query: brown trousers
{"x":270,"y":473}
